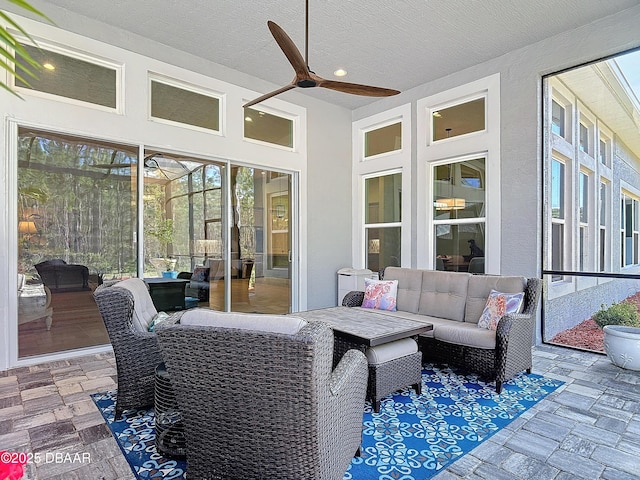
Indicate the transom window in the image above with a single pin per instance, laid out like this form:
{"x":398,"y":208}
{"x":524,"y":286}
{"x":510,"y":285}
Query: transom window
{"x":181,"y":105}
{"x":460,"y":119}
{"x":383,"y":140}
{"x":71,"y":77}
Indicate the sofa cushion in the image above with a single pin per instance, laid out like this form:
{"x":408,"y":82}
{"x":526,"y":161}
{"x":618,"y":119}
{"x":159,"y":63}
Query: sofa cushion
{"x":288,"y":324}
{"x":409,"y":287}
{"x":380,"y":294}
{"x":480,"y":287}
{"x":468,"y":334}
{"x":390,"y":351}
{"x":143,"y":309}
{"x":444,"y":294}
{"x":200,"y":274}
{"x":498,"y":305}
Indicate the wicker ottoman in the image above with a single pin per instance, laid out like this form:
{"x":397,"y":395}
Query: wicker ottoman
{"x":393,"y":366}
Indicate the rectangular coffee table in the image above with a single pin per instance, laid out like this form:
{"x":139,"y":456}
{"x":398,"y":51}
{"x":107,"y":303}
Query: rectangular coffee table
{"x":359,"y":329}
{"x":355,"y":328}
{"x":167,"y":294}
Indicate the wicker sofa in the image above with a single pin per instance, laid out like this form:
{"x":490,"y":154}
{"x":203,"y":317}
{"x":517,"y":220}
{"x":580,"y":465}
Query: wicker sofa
{"x":453,"y":302}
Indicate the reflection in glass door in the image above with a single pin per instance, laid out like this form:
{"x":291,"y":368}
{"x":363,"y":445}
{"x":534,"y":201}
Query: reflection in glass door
{"x":208,"y":222}
{"x":260,"y":241}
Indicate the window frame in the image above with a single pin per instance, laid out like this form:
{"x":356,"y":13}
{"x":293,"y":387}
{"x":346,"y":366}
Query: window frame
{"x":76,"y":54}
{"x":189,"y":87}
{"x":477,"y":144}
{"x":396,"y":161}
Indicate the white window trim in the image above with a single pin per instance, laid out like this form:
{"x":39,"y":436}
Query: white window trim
{"x":485,"y":143}
{"x":78,"y":55}
{"x":155,"y":77}
{"x":397,"y":161}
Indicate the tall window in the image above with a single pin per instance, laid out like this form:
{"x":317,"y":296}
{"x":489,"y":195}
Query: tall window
{"x":557,"y":118}
{"x":583,"y":203}
{"x":603,"y":226}
{"x":459,"y":215}
{"x":629,"y":230}
{"x":584,"y":138}
{"x":557,"y":216}
{"x":383,"y":217}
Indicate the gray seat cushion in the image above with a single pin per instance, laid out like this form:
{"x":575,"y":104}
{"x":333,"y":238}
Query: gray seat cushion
{"x":444,"y":294}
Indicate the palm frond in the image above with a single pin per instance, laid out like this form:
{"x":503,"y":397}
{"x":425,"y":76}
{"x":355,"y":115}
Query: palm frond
{"x":11,"y":49}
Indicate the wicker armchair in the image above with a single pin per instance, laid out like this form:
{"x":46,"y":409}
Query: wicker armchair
{"x":261,"y":405}
{"x":137,"y":353}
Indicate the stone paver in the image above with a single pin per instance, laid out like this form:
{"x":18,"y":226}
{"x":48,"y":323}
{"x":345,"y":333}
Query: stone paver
{"x":587,"y":429}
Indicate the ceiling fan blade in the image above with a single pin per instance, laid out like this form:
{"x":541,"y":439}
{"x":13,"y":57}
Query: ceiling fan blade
{"x":357,"y":89}
{"x":269,"y":95}
{"x":112,"y":166}
{"x":290,"y":50}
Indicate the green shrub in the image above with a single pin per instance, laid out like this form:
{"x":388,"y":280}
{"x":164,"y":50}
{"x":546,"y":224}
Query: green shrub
{"x":623,"y":313}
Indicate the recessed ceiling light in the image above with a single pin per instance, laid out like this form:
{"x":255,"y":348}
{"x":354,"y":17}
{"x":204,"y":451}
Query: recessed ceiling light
{"x":48,"y":66}
{"x":340,"y":72}
{"x":437,"y":114}
{"x":248,"y":119}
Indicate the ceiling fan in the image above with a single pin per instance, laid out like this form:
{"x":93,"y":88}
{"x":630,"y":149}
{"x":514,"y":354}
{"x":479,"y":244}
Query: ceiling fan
{"x":155,"y":162}
{"x":305,"y":78}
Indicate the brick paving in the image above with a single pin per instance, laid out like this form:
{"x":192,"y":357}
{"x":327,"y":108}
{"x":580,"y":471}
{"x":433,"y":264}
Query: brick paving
{"x":588,"y":429}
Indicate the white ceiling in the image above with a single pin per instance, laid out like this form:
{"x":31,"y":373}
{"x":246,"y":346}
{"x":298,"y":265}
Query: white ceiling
{"x":395,"y":44}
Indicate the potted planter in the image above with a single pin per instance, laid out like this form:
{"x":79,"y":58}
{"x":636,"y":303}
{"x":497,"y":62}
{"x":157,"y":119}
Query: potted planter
{"x":622,"y":345}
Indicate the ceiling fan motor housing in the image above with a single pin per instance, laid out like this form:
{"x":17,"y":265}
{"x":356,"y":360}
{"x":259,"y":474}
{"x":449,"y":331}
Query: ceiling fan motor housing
{"x":306,"y":83}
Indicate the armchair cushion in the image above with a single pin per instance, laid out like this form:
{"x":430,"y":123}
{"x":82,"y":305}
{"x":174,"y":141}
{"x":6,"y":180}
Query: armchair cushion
{"x":200,"y":274}
{"x":286,"y":324}
{"x":143,"y":309}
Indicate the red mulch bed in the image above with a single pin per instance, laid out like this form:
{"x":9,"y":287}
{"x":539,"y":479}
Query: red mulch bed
{"x":587,"y":334}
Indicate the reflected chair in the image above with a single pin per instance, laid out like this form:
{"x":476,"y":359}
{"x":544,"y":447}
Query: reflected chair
{"x":61,"y":276}
{"x":476,"y":265}
{"x":259,"y":402}
{"x":34,"y":303}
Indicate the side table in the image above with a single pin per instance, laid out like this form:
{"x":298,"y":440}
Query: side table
{"x":169,"y":428}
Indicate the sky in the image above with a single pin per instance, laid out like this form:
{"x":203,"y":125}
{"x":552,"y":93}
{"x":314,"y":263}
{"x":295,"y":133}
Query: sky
{"x":630,"y":66}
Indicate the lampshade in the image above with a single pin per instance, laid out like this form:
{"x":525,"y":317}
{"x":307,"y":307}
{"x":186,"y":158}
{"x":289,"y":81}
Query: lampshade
{"x":449,"y":204}
{"x":26,"y":227}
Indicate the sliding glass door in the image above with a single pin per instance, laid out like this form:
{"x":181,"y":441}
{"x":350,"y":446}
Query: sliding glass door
{"x":223,"y":231}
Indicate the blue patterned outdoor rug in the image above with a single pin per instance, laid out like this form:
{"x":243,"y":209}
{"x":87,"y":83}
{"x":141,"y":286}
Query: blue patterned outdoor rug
{"x":413,"y":437}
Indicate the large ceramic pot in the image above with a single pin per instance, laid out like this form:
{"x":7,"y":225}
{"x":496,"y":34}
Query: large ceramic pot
{"x":622,"y":345}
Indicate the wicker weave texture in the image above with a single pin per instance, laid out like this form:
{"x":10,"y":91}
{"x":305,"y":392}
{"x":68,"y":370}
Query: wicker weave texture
{"x":260,"y":405}
{"x":391,"y":376}
{"x":137,"y":353}
{"x":514,"y":339}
